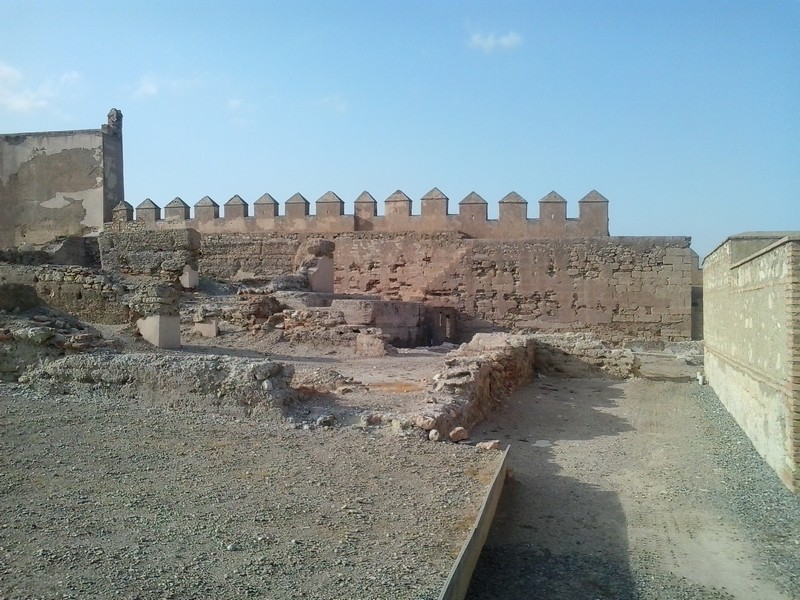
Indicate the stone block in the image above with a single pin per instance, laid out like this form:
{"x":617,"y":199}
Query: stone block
{"x":209,"y":329}
{"x":190,"y":278}
{"x":161,"y":331}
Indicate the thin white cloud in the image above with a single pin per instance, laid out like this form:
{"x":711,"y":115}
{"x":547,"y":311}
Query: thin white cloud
{"x":147,"y":87}
{"x":70,"y":77}
{"x":334,"y":102}
{"x":151,"y":85}
{"x":489,"y":43}
{"x":234,"y":104}
{"x":9,"y":75}
{"x":16,"y":96}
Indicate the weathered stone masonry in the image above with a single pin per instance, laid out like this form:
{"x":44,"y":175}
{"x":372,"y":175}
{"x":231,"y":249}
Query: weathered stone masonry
{"x":63,"y":183}
{"x":549,"y":272}
{"x":752,"y":342}
{"x":620,"y":287}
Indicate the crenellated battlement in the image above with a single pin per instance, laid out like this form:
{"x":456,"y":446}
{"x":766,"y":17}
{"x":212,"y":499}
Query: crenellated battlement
{"x":329,"y":218}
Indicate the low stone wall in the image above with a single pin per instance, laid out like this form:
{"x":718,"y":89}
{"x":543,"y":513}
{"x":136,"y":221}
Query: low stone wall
{"x":752,"y":342}
{"x":582,"y":355}
{"x":86,"y":293}
{"x":479,"y":376}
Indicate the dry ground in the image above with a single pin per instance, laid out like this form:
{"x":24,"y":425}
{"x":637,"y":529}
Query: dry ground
{"x":620,"y":489}
{"x":108,"y":496}
{"x":635,"y":489}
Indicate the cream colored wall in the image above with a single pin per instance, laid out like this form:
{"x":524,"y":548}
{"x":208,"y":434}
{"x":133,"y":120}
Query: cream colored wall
{"x":751,"y":327}
{"x":51,"y":184}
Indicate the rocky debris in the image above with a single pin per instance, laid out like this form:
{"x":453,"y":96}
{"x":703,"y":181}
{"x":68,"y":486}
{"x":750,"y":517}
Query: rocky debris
{"x":326,"y":327}
{"x":459,"y":434}
{"x":434,"y":435}
{"x":691,"y":353}
{"x":105,"y":495}
{"x":322,"y":381}
{"x":325,"y":420}
{"x":247,"y":309}
{"x":372,"y":345}
{"x":295,"y":282}
{"x":582,"y":355}
{"x":215,"y":382}
{"x":30,"y":338}
{"x":488,"y":445}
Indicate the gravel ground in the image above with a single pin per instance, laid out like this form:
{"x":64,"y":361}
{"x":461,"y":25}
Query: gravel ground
{"x":645,"y":489}
{"x":104,"y":496}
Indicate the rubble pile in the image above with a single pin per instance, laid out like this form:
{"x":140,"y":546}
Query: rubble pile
{"x":26,"y":339}
{"x":222,"y":383}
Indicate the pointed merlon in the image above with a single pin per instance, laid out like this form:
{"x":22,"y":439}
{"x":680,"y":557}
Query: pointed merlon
{"x":122,"y":212}
{"x":553,"y":197}
{"x":594,"y":196}
{"x":265,"y":199}
{"x":297,"y":199}
{"x":148,"y":204}
{"x":123,"y":206}
{"x":365,"y":198}
{"x":178,"y":203}
{"x":236,"y":200}
{"x":205,"y":201}
{"x":266,"y":207}
{"x":472,"y":198}
{"x":398,"y":196}
{"x":513,"y":198}
{"x":434,"y":194}
{"x":329,"y":198}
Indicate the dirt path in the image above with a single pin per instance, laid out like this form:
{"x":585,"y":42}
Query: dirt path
{"x":637,"y":489}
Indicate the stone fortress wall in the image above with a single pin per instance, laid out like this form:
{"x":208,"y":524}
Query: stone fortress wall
{"x":752,"y":341}
{"x":330,"y":218}
{"x":514,"y":272}
{"x":549,"y":273}
{"x":59,"y":183}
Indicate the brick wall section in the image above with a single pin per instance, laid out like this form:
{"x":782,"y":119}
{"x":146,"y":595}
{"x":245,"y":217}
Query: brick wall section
{"x":793,"y":366}
{"x":752,"y":343}
{"x":620,"y":287}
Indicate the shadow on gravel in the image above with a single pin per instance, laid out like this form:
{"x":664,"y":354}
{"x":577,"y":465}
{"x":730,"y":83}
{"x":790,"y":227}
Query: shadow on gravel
{"x":554,"y":536}
{"x":238,"y":352}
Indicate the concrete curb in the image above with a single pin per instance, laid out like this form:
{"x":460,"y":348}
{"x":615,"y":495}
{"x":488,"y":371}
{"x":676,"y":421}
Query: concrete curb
{"x":457,"y":584}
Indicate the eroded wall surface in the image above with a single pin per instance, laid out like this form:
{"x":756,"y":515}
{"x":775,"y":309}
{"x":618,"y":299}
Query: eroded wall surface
{"x":752,"y":342}
{"x":619,"y":287}
{"x":55,"y":184}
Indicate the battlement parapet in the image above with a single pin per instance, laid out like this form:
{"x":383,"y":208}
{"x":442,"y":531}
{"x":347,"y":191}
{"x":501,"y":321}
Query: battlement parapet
{"x":471,"y":219}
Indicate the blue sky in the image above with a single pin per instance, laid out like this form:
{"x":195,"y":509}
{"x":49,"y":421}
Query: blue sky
{"x":684,"y":114}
